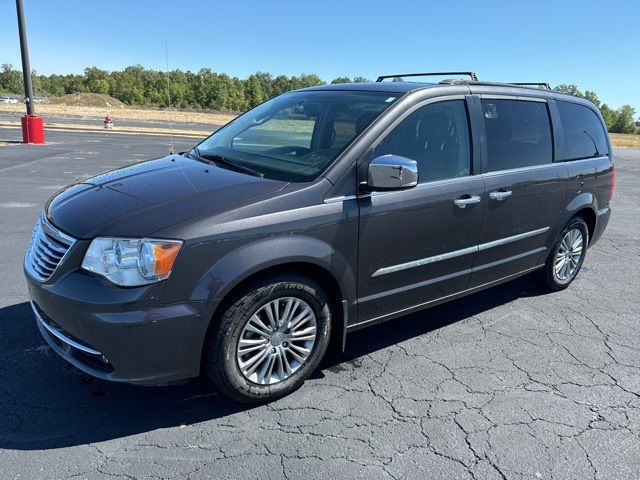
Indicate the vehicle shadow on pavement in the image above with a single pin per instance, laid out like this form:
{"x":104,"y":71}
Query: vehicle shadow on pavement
{"x":46,"y":403}
{"x":383,"y":335}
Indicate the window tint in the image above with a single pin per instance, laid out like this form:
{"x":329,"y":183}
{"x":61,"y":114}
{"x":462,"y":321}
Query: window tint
{"x":583,"y":133}
{"x":437,"y":137}
{"x":518,"y":134}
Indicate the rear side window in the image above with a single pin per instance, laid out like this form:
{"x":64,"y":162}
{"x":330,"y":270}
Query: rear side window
{"x":518,"y":134}
{"x":583,"y":133}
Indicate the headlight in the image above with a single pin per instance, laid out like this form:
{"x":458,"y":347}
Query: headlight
{"x":129,"y":262}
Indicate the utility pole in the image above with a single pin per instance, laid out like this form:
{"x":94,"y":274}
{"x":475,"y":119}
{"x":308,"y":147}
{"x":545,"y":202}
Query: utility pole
{"x":26,"y":68}
{"x":32,"y":125}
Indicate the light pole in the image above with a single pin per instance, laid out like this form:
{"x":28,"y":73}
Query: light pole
{"x":32,"y":124}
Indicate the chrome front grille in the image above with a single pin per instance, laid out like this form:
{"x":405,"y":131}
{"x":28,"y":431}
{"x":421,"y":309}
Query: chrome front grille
{"x":47,"y":248}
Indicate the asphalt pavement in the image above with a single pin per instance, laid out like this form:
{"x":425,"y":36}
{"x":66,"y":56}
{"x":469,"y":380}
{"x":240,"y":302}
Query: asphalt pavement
{"x":509,"y":383}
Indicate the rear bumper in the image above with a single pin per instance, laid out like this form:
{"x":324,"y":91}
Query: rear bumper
{"x":122,"y":335}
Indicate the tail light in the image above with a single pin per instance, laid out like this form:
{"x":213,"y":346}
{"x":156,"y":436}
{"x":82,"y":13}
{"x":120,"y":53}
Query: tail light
{"x":613,"y":181}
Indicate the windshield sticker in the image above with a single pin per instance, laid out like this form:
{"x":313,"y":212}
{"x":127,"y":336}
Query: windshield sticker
{"x":390,"y":99}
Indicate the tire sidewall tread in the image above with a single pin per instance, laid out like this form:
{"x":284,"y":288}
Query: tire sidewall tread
{"x":220,"y":358}
{"x":546,"y":276}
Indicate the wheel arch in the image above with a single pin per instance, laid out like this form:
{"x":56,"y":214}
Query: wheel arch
{"x":589,"y":216}
{"x":585,"y":206}
{"x":304,"y":256}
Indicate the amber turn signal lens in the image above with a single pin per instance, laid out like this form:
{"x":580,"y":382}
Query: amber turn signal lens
{"x":165,"y":254}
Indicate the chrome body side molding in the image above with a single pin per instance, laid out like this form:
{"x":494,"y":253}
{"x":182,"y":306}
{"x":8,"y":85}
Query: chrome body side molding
{"x":404,"y":311}
{"x":458,"y":253}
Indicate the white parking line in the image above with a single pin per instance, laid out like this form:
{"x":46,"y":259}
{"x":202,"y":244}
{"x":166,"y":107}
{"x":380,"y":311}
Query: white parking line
{"x":17,"y":205}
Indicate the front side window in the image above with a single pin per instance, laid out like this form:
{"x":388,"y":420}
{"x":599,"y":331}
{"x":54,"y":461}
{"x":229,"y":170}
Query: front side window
{"x":437,"y":137}
{"x":583,"y":133}
{"x":295,"y":136}
{"x":518,"y":134}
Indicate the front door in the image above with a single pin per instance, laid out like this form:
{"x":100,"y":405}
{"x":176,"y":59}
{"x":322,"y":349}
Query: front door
{"x":418,"y":245}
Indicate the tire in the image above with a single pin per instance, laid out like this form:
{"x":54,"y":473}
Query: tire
{"x":278,"y":370}
{"x":556,"y":275}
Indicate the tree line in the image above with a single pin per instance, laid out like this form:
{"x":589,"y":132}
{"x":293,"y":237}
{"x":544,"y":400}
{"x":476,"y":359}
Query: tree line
{"x":136,"y":85}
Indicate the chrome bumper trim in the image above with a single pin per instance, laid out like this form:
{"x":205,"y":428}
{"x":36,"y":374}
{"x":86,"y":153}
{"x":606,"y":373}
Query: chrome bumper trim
{"x":61,"y":336}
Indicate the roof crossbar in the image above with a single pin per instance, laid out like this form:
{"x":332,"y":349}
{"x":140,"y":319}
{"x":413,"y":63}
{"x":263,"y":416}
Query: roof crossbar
{"x":532,"y":84}
{"x":471,"y":75}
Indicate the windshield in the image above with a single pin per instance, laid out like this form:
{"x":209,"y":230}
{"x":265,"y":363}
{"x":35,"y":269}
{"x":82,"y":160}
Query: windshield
{"x":295,"y":136}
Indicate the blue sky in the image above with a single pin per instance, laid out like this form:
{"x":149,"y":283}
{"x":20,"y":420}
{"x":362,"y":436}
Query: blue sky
{"x":595,"y":45}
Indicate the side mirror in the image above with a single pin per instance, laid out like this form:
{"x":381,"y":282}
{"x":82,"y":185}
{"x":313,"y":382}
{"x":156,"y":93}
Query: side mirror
{"x":391,"y":172}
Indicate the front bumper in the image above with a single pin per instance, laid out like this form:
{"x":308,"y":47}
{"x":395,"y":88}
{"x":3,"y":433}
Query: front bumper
{"x":118,"y":334}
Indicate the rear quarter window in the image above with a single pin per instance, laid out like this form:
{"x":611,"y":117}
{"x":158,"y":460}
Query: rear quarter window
{"x":583,"y":135}
{"x":518,"y":134}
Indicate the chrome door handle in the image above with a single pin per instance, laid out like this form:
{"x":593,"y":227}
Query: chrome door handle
{"x":466,"y":200}
{"x":500,"y":195}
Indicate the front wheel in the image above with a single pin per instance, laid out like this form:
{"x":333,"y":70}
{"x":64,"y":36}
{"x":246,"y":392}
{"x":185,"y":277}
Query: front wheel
{"x":270,"y":339}
{"x":566,"y":256}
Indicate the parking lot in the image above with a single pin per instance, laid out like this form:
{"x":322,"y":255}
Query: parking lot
{"x":509,"y":383}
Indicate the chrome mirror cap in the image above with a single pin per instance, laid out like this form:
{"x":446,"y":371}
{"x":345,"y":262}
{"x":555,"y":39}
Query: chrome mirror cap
{"x":391,"y":172}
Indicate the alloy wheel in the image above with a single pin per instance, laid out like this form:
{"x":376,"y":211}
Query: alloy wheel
{"x":568,"y":256}
{"x":277,"y":340}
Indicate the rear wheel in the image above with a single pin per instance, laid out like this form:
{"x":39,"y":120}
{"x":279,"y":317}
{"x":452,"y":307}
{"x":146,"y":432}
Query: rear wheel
{"x":270,"y":339}
{"x":566,"y":256}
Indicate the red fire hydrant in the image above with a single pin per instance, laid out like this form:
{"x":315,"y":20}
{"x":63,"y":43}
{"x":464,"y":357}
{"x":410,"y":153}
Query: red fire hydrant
{"x":32,"y":129}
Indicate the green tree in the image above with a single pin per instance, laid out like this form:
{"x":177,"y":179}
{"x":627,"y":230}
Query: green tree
{"x":280,"y":85}
{"x":266,"y":82}
{"x":593,"y":98}
{"x":569,"y":89}
{"x":341,"y":80}
{"x":608,"y":115}
{"x":253,"y":90}
{"x":10,"y":79}
{"x":624,"y":121}
{"x":52,"y":85}
{"x":97,"y":80}
{"x":36,"y":83}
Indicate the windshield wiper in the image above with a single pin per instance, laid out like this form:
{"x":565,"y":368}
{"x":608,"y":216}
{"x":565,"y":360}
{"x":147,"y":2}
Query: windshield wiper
{"x":213,"y":159}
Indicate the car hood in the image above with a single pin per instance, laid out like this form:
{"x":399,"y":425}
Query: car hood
{"x":143,"y":198}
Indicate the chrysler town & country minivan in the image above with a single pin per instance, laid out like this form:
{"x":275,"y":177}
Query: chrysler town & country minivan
{"x":317,"y":213}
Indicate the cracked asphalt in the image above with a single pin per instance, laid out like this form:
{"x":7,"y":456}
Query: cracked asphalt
{"x":509,"y":383}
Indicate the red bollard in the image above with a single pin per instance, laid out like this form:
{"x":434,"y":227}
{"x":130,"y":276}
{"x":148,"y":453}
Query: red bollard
{"x":32,"y":129}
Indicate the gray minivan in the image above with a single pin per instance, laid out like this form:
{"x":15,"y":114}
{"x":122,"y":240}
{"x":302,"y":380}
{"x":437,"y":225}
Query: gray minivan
{"x":317,"y":213}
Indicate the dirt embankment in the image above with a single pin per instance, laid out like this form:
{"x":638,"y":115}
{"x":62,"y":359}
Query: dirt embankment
{"x":87,"y":100}
{"x":93,"y":105}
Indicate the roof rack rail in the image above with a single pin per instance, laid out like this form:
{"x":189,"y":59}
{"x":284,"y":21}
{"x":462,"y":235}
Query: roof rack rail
{"x":532,"y":84}
{"x":472,"y":75}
